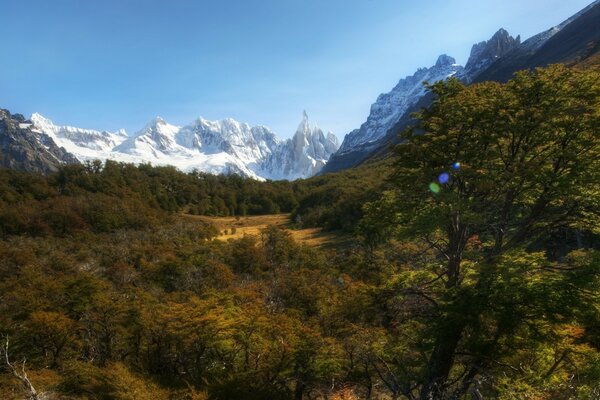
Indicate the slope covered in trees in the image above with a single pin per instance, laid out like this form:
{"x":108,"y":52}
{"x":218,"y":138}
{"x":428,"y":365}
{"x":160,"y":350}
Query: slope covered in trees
{"x":482,"y":283}
{"x":110,"y":196}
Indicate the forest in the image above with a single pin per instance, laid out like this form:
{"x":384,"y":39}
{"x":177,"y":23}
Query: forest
{"x":474,"y":271}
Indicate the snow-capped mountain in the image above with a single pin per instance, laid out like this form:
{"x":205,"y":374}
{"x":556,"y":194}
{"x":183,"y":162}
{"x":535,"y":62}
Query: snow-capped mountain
{"x":225,"y":146}
{"x":84,"y":143}
{"x":23,"y":147}
{"x":156,"y":139}
{"x":303,"y":155}
{"x":391,"y":112}
{"x":391,"y":106}
{"x":249,"y":144}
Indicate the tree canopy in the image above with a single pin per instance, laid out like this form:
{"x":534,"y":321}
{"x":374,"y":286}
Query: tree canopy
{"x":501,"y":182}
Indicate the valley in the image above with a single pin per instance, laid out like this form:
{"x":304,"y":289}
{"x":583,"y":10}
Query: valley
{"x":231,"y":228}
{"x":448,"y":249}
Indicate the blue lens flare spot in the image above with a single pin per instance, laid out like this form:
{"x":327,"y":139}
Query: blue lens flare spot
{"x":434,"y":187}
{"x":444,"y":178}
{"x":456,"y":165}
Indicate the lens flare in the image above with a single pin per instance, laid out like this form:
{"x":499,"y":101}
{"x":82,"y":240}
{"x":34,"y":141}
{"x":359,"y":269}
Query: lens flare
{"x":434,"y":187}
{"x":443,"y":178}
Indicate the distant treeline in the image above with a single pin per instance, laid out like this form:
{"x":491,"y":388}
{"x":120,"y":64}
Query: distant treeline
{"x":104,"y":197}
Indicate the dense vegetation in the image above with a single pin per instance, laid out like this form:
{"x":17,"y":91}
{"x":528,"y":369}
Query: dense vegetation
{"x":511,"y":299}
{"x":481,"y":284}
{"x":104,"y":198}
{"x":110,"y":196}
{"x":335,"y":201}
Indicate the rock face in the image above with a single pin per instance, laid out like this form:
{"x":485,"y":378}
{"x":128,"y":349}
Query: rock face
{"x":387,"y":111}
{"x":303,"y":155}
{"x":483,"y":54}
{"x":574,"y":39}
{"x":225,"y":146}
{"x":390,"y":107}
{"x":495,"y":59}
{"x":24,"y":148}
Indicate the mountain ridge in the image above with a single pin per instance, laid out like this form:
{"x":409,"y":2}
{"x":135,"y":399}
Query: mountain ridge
{"x":222,"y":146}
{"x":494,"y":59}
{"x":24,"y":148}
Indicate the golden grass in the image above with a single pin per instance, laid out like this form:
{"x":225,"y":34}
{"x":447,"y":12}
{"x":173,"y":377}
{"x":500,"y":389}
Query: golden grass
{"x":236,"y":228}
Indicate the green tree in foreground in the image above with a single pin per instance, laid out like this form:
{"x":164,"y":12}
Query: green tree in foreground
{"x":523,"y":163}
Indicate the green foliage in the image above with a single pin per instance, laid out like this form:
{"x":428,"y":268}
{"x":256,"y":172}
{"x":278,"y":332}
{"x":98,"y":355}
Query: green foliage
{"x":529,"y":156}
{"x":489,"y":288}
{"x":113,"y":196}
{"x":335,"y":201}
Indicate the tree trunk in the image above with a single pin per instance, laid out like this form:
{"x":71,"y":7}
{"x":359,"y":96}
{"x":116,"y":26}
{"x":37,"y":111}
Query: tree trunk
{"x":299,"y":390}
{"x":441,"y":361}
{"x":442,"y":358}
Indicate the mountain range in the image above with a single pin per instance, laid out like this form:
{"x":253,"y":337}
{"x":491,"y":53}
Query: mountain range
{"x":25,"y":148}
{"x":496,"y":59}
{"x":219,"y":147}
{"x":228,"y":146}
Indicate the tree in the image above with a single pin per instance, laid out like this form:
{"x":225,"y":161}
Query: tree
{"x":489,"y":170}
{"x":50,"y":333}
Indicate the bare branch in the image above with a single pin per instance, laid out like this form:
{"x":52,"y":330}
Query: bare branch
{"x":32,"y":394}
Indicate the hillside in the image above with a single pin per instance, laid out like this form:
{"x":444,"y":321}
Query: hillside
{"x":496,"y":59}
{"x":120,"y":281}
{"x":24,"y":148}
{"x":447,"y":249}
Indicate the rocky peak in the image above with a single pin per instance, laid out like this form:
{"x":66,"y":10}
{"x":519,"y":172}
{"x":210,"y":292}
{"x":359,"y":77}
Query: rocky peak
{"x":302,"y":155}
{"x":391,"y":106}
{"x":486,"y":52}
{"x":159,"y":125}
{"x":444,"y":61}
{"x":23,"y":147}
{"x":156,"y":135}
{"x":303,"y":132}
{"x":155,"y":123}
{"x":312,"y":141}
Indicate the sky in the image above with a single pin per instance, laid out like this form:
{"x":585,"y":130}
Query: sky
{"x":119,"y":63}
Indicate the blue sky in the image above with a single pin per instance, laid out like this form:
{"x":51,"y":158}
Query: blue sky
{"x":118,"y":63}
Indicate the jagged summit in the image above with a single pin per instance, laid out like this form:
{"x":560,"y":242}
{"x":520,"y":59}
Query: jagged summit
{"x":495,"y":59}
{"x":84,"y":143}
{"x":303,"y":155}
{"x":223,"y":146}
{"x":158,"y":120}
{"x":23,"y":147}
{"x":389,"y":107}
{"x":160,"y":125}
{"x":392,"y":107}
{"x":484,"y":53}
{"x":570,"y":40}
{"x":157,"y":135}
{"x":445,"y":60}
